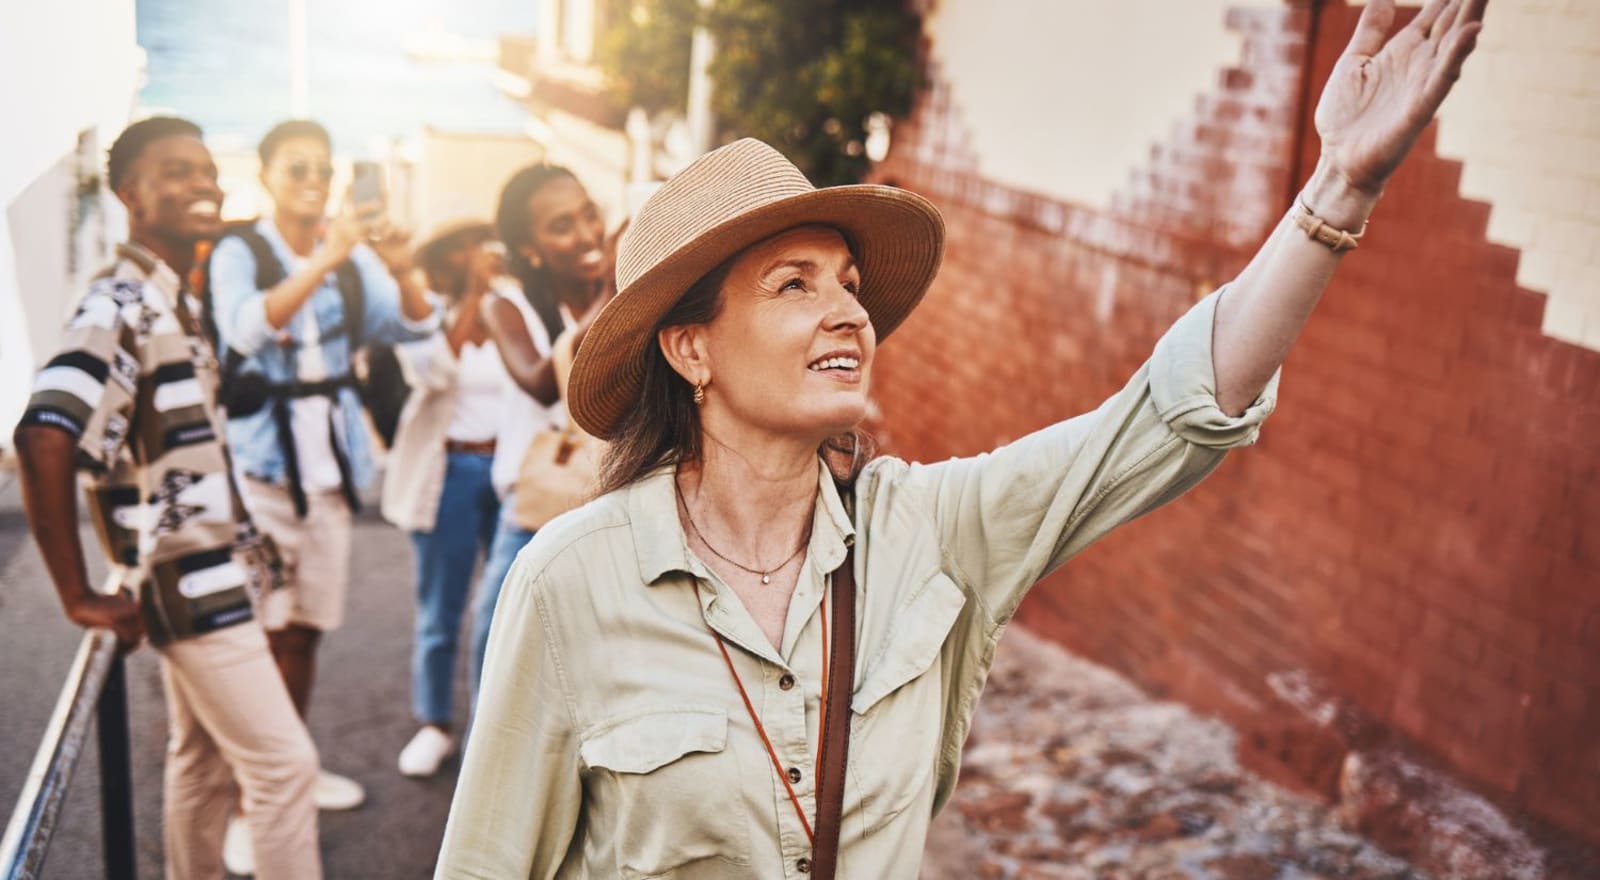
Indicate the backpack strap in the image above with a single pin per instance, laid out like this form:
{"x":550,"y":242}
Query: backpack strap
{"x":270,"y":271}
{"x":355,"y":304}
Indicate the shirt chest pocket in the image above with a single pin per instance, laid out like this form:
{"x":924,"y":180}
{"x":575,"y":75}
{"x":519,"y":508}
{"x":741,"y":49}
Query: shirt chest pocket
{"x":899,"y":707}
{"x":669,"y":789}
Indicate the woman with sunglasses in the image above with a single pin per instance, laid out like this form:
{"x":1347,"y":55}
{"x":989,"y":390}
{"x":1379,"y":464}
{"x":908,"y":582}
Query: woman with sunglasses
{"x":280,"y":290}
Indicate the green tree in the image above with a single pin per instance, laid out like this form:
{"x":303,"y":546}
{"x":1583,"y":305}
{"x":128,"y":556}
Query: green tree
{"x":802,"y":76}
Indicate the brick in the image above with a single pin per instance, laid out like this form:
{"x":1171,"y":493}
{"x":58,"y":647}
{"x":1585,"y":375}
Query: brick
{"x":1412,"y":525}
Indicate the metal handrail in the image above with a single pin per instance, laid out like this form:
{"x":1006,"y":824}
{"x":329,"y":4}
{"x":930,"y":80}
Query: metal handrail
{"x":95,"y":685}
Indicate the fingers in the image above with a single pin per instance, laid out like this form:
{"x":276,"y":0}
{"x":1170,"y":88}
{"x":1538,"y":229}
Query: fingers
{"x":1457,"y":46}
{"x":1429,"y":16}
{"x":1471,"y":11}
{"x":1373,"y":28}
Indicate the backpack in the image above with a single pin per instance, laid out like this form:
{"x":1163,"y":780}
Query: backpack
{"x":384,"y":391}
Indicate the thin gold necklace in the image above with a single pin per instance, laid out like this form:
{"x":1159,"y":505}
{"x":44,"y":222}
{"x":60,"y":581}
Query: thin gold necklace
{"x":765,"y":575}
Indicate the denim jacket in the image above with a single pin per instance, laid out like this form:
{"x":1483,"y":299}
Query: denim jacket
{"x":242,"y":325}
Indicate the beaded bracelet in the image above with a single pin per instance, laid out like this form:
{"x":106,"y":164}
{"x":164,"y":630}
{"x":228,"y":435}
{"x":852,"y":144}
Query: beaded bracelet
{"x":1318,"y":230}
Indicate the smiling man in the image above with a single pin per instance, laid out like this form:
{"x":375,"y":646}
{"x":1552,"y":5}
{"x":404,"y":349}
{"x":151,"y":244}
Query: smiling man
{"x":295,"y":295}
{"x":130,"y":399}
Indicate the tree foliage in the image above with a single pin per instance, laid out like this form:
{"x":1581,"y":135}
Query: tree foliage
{"x":802,"y":75}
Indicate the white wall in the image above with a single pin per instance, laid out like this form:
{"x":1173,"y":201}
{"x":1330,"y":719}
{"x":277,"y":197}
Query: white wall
{"x":1065,"y":97}
{"x":1525,"y":121}
{"x":70,"y":65}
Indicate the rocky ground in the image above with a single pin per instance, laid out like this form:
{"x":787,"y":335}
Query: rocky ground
{"x":1072,"y":773}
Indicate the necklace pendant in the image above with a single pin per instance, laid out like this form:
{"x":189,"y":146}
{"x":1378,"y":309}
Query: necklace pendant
{"x":766,"y":578}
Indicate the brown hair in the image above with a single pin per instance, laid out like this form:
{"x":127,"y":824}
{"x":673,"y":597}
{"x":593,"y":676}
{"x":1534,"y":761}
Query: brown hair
{"x":663,"y":427}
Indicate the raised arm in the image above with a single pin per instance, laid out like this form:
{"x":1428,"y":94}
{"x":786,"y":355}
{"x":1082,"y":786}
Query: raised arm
{"x":1382,"y":93}
{"x":392,"y":244}
{"x":531,"y":371}
{"x":282,"y":301}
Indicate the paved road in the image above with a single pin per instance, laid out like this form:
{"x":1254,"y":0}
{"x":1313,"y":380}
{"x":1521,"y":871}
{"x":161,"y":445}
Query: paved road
{"x":359,"y":716}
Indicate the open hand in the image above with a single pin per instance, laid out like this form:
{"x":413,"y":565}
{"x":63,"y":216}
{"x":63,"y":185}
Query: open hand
{"x":1384,"y":90}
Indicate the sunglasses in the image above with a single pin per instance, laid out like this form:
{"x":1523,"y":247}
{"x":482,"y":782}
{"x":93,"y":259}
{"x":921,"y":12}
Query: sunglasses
{"x":299,"y":171}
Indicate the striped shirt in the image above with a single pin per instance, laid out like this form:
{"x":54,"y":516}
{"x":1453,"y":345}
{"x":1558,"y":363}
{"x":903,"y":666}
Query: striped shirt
{"x":135,"y":383}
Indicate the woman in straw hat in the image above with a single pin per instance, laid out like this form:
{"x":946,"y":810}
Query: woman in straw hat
{"x":748,"y":659}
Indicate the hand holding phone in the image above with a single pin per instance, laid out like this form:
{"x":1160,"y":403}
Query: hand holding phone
{"x":366,"y":192}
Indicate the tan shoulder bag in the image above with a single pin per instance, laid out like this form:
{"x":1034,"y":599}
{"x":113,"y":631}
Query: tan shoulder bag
{"x":561,"y":467}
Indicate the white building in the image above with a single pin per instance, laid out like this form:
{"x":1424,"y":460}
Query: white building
{"x":81,"y":66}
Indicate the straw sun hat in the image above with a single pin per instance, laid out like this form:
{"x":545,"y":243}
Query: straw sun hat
{"x":726,"y":201}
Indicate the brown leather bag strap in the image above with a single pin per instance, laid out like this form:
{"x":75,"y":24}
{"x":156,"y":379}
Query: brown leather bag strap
{"x":836,"y":736}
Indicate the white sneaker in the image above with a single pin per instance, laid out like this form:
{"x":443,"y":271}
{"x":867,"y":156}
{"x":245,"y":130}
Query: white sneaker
{"x":335,"y":792}
{"x":426,"y":751}
{"x":238,"y":853}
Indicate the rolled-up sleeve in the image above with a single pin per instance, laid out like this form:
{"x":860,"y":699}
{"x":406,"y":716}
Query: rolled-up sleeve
{"x":240,"y":308}
{"x":90,"y":386}
{"x":1183,"y":385}
{"x":1007,"y":518}
{"x":518,"y":798}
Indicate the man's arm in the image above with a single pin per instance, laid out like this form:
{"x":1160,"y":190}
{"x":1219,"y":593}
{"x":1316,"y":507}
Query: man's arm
{"x":48,"y":470}
{"x":282,"y":301}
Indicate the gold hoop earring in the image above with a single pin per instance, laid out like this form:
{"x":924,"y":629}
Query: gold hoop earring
{"x":699,"y":393}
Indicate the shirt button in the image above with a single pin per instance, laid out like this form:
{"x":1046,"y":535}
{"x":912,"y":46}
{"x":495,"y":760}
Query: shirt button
{"x":794,"y":774}
{"x":786,"y":682}
{"x":803,"y":866}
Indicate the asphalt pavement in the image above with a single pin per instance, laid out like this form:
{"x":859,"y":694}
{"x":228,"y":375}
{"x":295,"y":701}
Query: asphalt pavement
{"x":360,"y":715}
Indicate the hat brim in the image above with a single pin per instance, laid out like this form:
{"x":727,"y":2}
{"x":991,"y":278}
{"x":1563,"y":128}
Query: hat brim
{"x":897,"y":238}
{"x":444,"y":235}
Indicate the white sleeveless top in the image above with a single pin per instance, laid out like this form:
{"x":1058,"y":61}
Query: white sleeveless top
{"x":521,"y":415}
{"x":481,"y":383}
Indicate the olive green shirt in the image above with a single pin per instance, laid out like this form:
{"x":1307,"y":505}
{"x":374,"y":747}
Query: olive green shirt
{"x":610,"y":740}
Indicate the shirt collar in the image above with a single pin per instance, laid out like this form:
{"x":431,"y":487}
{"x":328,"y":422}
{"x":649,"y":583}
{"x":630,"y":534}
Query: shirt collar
{"x":154,"y":268}
{"x":661,"y":546}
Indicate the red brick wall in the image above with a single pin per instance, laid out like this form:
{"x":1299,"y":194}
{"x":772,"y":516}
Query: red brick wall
{"x":1419,"y":528}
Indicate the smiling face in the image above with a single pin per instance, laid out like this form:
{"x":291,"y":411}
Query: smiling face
{"x":790,"y":350}
{"x":171,"y":192}
{"x":297,"y":178}
{"x":567,"y":231}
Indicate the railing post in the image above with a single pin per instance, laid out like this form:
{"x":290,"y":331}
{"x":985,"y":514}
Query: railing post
{"x":116,"y":775}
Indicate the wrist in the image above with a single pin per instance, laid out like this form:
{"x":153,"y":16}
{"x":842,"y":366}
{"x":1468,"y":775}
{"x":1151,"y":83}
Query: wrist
{"x":78,"y":605}
{"x":1331,"y":196}
{"x":328,"y":258}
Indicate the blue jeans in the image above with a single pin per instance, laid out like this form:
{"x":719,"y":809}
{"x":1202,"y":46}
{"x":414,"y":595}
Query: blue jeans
{"x":509,"y":539}
{"x":446,"y":557}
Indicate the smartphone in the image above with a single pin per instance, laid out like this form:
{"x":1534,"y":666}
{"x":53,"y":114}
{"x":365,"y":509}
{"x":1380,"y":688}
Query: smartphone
{"x":366,"y":189}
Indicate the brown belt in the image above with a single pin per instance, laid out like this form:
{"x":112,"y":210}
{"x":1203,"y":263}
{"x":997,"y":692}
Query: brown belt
{"x":474,"y":447}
